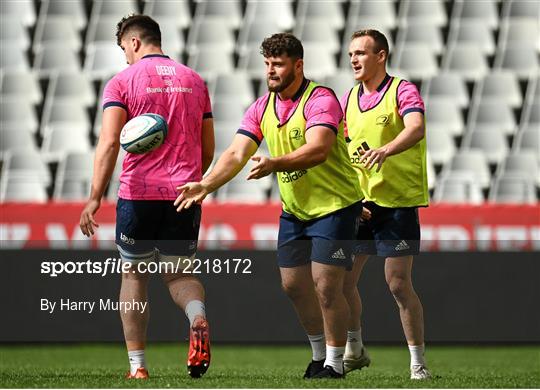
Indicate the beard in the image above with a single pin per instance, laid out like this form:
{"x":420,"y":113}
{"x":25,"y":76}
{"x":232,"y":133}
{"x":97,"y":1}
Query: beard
{"x":285,"y":82}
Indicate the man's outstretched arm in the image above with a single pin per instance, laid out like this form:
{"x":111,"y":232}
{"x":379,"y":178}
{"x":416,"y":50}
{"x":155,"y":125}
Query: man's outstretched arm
{"x":229,"y":164}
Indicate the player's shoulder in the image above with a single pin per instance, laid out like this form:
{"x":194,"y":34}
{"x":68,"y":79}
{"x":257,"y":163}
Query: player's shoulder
{"x":405,"y":84}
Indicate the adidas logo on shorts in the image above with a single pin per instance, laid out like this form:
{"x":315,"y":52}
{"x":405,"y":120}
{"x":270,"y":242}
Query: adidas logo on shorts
{"x":339,"y":254}
{"x":402,"y":246}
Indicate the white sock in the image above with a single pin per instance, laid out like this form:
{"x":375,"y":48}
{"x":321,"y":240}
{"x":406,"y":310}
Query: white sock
{"x":318,"y":346}
{"x":193,"y":309}
{"x":354,"y":343}
{"x":417,"y":355}
{"x":334,"y":358}
{"x":136,"y":360}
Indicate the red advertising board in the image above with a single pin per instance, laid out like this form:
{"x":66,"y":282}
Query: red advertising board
{"x":444,"y":227}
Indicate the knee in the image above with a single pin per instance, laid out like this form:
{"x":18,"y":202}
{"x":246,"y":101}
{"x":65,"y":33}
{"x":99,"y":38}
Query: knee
{"x":327,"y":293}
{"x":399,"y":287}
{"x":134,"y":275}
{"x":293,"y":290}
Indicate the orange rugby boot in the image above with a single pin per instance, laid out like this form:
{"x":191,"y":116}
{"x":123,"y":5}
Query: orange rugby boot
{"x":199,"y":349}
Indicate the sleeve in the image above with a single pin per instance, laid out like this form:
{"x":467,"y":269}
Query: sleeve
{"x":113,"y":95}
{"x":323,"y":109}
{"x":251,"y":122}
{"x":409,"y":99}
{"x":207,"y":111}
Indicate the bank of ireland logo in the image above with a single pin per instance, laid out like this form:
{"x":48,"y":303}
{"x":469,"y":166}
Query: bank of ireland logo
{"x":295,"y":134}
{"x":383,"y":120}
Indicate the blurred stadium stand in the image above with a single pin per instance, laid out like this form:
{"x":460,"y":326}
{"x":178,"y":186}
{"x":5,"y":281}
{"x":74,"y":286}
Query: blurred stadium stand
{"x":476,"y":63}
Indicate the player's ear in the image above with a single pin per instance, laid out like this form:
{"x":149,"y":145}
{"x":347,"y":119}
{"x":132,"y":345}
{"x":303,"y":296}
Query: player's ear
{"x":382,"y":56}
{"x":136,"y":43}
{"x":299,"y":65}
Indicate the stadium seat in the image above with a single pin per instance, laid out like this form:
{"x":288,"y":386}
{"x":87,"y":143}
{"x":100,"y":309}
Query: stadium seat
{"x":252,"y":62}
{"x":70,"y":87}
{"x":458,"y":188}
{"x":70,"y":114}
{"x":381,"y":14}
{"x":12,"y":31}
{"x":318,"y":34}
{"x":169,"y":11}
{"x":528,"y":140}
{"x":341,"y":82}
{"x":427,"y":34}
{"x":13,"y":57}
{"x":444,"y":114}
{"x":224,"y":134}
{"x":318,"y":62}
{"x":74,"y":177}
{"x":492,"y":143}
{"x":60,"y":140}
{"x":498,"y":87}
{"x":51,"y":59}
{"x":465,"y":60}
{"x":523,"y":161}
{"x":210,"y":34}
{"x":22,"y":10}
{"x":228,"y":111}
{"x":514,"y":187}
{"x":211,"y":62}
{"x":492,"y":116}
{"x":20,"y":85}
{"x":472,"y":33}
{"x":57,"y":30}
{"x":416,"y":61}
{"x":278,"y":11}
{"x":230,"y":10}
{"x":440,"y":144}
{"x":26,"y":163}
{"x":521,"y":9}
{"x":234,"y":86}
{"x":473,"y":161}
{"x":72,"y":10}
{"x":22,"y":190}
{"x":103,"y":60}
{"x":172,"y":39}
{"x":431,"y":174}
{"x":522,"y":32}
{"x":13,"y":139}
{"x":101,"y":31}
{"x":115,"y":9}
{"x":446,"y":86}
{"x":422,"y":12}
{"x":18,"y":114}
{"x":328,"y":12}
{"x":241,"y":190}
{"x":476,"y":11}
{"x":251,"y":35}
{"x":521,"y":60}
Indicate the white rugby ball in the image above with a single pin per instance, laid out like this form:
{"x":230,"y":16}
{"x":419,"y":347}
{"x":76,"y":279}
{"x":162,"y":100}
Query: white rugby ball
{"x":143,"y":133}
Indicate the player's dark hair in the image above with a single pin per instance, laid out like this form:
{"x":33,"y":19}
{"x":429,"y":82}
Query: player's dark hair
{"x":146,"y":28}
{"x":381,"y":43}
{"x":280,"y":44}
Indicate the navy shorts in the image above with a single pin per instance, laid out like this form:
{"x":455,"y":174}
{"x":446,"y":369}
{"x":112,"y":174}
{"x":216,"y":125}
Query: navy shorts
{"x":391,"y":232}
{"x":145,"y":225}
{"x":329,"y":239}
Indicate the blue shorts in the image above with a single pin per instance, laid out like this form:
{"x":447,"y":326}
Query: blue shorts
{"x":329,"y":239}
{"x":391,"y":232}
{"x":145,"y":225}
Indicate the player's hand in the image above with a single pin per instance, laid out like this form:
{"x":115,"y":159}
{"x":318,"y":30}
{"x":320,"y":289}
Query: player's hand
{"x":87,"y":222}
{"x":264,"y":167}
{"x":365,"y":215}
{"x":190,"y":193}
{"x":374,"y":156}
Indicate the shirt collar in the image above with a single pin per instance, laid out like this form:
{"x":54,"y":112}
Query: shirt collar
{"x":155,"y":55}
{"x":298,"y":94}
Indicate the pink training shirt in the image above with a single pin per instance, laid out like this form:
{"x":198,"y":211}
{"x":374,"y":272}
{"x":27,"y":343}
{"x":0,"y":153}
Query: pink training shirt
{"x":322,"y":109}
{"x":408,"y":98}
{"x":157,"y":84}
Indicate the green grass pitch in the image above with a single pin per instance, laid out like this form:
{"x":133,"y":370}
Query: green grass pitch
{"x":103,"y":366}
